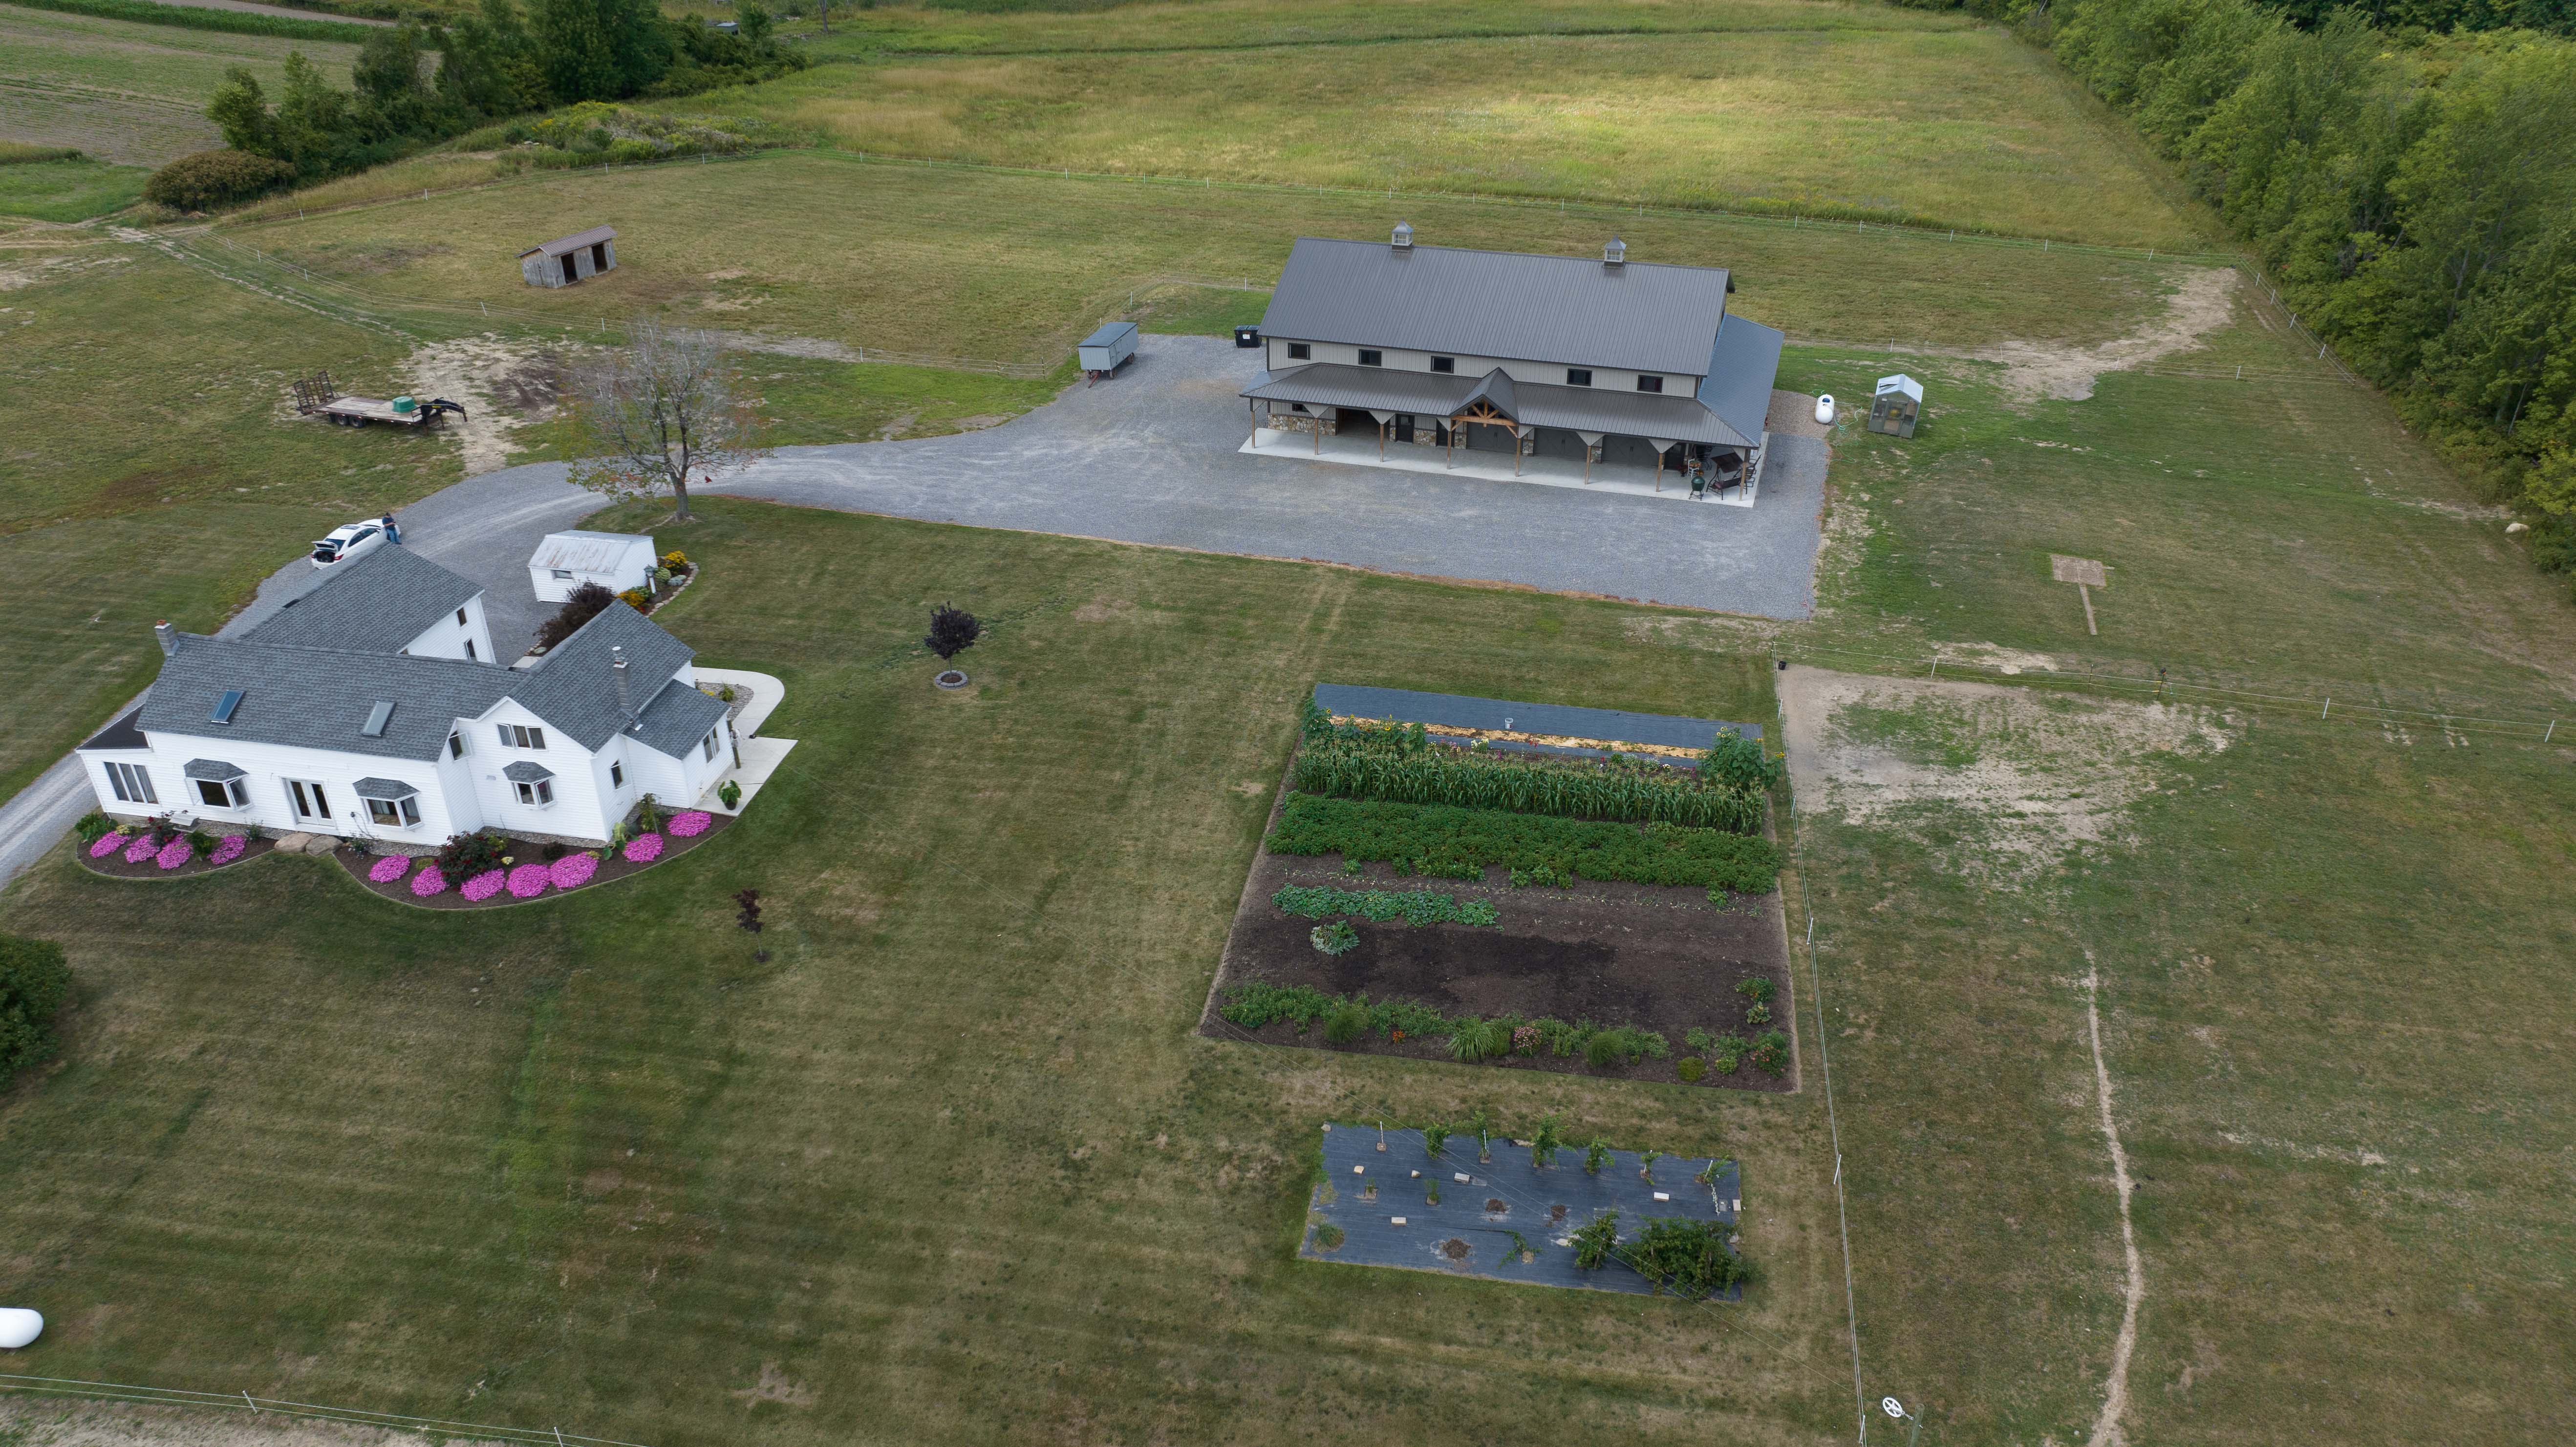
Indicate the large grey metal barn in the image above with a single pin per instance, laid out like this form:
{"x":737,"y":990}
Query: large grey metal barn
{"x":567,"y":259}
{"x":1619,"y":369}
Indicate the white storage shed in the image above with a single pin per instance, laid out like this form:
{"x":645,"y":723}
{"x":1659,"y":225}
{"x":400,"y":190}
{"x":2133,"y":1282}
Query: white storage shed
{"x":565,"y":561}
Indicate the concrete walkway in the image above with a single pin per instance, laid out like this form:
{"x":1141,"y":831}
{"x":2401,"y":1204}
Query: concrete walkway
{"x":758,"y":757}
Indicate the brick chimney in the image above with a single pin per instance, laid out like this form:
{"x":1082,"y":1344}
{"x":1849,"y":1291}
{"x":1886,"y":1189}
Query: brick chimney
{"x":168,"y":635}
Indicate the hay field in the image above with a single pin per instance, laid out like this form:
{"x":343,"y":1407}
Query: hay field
{"x":1010,"y":268}
{"x":128,"y":92}
{"x":1935,"y":125}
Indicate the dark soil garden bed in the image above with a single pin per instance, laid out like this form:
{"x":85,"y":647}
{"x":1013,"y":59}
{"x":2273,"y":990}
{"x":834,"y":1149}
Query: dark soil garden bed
{"x":1655,"y":958}
{"x":611,"y":868}
{"x":115,"y":866}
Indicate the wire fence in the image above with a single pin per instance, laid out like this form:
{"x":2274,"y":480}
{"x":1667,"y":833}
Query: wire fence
{"x":315,"y":1411}
{"x":2322,"y":707}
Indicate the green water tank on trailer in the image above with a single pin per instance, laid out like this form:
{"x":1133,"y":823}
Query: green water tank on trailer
{"x":405,"y":406}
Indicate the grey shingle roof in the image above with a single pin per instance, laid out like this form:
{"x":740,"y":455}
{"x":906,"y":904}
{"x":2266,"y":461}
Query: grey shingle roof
{"x":677,"y":718}
{"x":1742,"y":366}
{"x":524,"y":772}
{"x":1540,"y":404}
{"x":373,"y":605}
{"x":320,"y":697}
{"x":213,"y":769}
{"x":122,"y":734}
{"x":574,"y":687}
{"x":1640,"y":316}
{"x":387,"y":789}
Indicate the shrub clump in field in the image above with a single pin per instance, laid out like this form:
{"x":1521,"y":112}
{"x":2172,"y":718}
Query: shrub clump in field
{"x":34,"y":984}
{"x":1738,"y":762}
{"x":1472,"y":1038}
{"x":1413,"y":906}
{"x":1450,"y":842}
{"x":1691,"y":1259}
{"x":212,"y":180}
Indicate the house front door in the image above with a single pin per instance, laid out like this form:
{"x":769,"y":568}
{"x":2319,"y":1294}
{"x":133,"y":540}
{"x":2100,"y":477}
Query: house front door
{"x":309,"y":800}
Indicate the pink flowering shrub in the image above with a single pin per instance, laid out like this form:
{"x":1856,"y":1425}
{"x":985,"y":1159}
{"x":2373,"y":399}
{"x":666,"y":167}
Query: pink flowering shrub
{"x":530,"y":880}
{"x":428,"y":882}
{"x":107,"y":844}
{"x":229,"y":849}
{"x":141,"y":849}
{"x":175,"y":853}
{"x":691,"y":823}
{"x":644,"y":849}
{"x":574,"y":870}
{"x":485,"y":885}
{"x":388,"y":869}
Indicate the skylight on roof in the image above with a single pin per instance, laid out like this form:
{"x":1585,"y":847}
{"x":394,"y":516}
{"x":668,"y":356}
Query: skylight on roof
{"x":377,"y":718}
{"x":224,"y":706}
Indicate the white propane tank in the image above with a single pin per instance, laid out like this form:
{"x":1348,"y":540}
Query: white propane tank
{"x":1825,"y":409}
{"x":18,"y":1327}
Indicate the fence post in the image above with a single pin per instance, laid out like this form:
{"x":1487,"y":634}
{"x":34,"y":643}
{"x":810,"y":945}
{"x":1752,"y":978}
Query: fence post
{"x":2329,"y":708}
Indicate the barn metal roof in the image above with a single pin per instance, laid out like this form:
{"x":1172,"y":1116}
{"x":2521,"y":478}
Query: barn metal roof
{"x":1640,"y":316}
{"x":583,"y":551}
{"x":1741,"y":368}
{"x":563,"y":245}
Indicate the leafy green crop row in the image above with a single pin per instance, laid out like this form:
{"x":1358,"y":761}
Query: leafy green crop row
{"x":1413,"y":906}
{"x":1479,"y":780}
{"x":1472,"y":1038}
{"x":1448,"y":842}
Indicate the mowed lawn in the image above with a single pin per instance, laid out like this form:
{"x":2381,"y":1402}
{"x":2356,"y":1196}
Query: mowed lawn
{"x":1934,"y":125}
{"x":949,"y":1164}
{"x":129,"y":92}
{"x":151,"y":468}
{"x":953,"y":263}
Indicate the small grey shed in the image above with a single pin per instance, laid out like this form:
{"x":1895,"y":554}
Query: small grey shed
{"x":1102,"y":351}
{"x":567,"y":259}
{"x":1893,"y":408}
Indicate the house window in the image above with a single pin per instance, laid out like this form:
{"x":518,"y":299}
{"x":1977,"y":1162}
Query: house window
{"x":1372,"y":357}
{"x":456,"y":743}
{"x":564,"y":573}
{"x":132,"y":783}
{"x":537,"y":794}
{"x":469,"y":649}
{"x":521,"y":736}
{"x":1578,"y":376}
{"x":1650,"y":384}
{"x":709,"y":747}
{"x":394,"y":813}
{"x":1444,"y":364}
{"x":223,"y":794}
{"x":616,"y":774}
{"x":460,"y":617}
{"x":308,"y":800}
{"x":1300,"y":352}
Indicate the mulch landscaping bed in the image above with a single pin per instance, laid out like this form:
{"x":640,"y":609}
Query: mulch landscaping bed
{"x":1661,"y":959}
{"x":614,"y":867}
{"x":114,"y":865}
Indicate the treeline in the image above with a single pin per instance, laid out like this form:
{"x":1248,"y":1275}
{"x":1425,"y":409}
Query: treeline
{"x":2393,"y":17}
{"x":2416,"y":203}
{"x":492,"y":65}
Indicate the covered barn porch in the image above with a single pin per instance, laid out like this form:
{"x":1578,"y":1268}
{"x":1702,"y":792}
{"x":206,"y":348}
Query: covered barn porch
{"x":1490,"y":428}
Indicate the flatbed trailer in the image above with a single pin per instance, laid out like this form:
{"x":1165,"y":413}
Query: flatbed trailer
{"x":315,"y":394}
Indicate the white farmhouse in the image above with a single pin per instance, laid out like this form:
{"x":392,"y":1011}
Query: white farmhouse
{"x":566,"y":560}
{"x":371,"y":707}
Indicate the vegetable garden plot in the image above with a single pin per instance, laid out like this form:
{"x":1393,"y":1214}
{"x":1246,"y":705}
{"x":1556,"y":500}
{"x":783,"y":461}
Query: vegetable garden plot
{"x":1508,"y":1219}
{"x":1538,"y":726}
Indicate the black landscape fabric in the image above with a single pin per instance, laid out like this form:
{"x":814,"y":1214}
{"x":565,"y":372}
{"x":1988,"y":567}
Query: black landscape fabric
{"x":1469,"y":1232}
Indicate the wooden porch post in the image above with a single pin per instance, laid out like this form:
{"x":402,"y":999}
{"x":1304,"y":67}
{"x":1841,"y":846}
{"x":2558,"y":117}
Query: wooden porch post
{"x":1518,"y":443}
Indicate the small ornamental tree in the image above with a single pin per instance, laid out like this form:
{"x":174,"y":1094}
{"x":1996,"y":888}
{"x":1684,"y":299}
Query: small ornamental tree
{"x":952,"y":631}
{"x":583,"y":605}
{"x":1595,"y":1156}
{"x":34,"y":984}
{"x":749,"y":918}
{"x":1593,"y":1242}
{"x":650,"y":414}
{"x":1646,"y":1166}
{"x":1544,"y":1142}
{"x":1435,"y":1138}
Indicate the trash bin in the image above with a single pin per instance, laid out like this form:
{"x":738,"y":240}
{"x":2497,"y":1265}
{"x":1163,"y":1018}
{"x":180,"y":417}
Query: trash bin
{"x":1247,"y":336}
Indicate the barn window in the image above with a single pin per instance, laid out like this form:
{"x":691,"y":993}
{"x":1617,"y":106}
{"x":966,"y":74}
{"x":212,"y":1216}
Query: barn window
{"x":1578,"y":376}
{"x":1650,"y":384}
{"x":1300,"y":352}
{"x":1444,"y":364}
{"x":1372,"y":357}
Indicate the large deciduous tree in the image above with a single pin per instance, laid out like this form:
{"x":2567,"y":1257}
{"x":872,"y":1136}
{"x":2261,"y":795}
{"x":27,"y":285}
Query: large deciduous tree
{"x":647,"y":413}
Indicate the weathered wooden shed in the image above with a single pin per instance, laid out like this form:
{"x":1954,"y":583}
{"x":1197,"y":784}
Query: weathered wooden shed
{"x":567,"y":259}
{"x":1895,"y":405}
